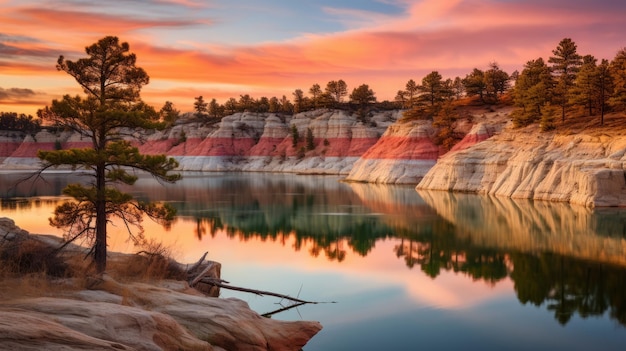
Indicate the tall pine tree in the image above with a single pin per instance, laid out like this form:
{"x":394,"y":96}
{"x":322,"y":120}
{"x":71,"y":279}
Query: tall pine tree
{"x":111,"y":107}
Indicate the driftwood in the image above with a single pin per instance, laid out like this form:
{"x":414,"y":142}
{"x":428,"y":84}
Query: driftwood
{"x":270,"y":314}
{"x":219,"y":283}
{"x":197,"y":264}
{"x":202,"y":277}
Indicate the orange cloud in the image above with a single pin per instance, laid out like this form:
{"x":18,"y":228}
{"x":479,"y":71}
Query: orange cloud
{"x":450,"y":36}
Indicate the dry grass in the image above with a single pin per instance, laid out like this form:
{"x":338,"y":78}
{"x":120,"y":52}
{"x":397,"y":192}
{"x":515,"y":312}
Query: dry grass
{"x":614,"y":125}
{"x":32,"y":268}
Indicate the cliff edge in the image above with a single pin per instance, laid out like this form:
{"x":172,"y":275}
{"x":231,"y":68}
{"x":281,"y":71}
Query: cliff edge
{"x":579,"y":163}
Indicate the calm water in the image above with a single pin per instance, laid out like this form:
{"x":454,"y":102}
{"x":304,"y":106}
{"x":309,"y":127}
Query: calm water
{"x":407,"y":270}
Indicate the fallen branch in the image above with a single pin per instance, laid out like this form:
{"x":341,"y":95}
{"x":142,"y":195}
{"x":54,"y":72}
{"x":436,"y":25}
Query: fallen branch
{"x":219,"y":283}
{"x":200,"y":276}
{"x":297,"y":304}
{"x":197,"y":264}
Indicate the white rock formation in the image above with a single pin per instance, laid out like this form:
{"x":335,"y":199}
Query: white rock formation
{"x":583,"y":169}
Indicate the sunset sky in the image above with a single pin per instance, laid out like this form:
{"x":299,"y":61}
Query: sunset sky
{"x":222,"y":49}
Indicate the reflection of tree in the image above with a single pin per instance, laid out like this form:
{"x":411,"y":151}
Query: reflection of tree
{"x":568,"y":286}
{"x":334,"y":223}
{"x":210,"y":224}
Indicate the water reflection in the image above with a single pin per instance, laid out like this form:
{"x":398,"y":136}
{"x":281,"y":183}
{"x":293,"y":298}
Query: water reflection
{"x":568,"y":260}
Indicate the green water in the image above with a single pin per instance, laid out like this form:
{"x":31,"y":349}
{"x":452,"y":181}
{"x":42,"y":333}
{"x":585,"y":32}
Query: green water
{"x":394,"y":268}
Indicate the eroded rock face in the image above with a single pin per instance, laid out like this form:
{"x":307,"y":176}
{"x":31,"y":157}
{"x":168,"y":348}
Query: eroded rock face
{"x":239,"y":142}
{"x":580,"y":169}
{"x":402,"y":155}
{"x":146,"y":317}
{"x":111,"y":315}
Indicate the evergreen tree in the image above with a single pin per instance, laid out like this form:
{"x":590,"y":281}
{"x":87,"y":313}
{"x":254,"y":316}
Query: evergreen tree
{"x":475,"y":85}
{"x":246,"y":103}
{"x":200,"y":106}
{"x":316,"y":92}
{"x":401,"y":98}
{"x":263,"y":105}
{"x":432,"y":88}
{"x":445,"y":121}
{"x":534,"y":88}
{"x":548,"y":117}
{"x":582,"y":93}
{"x":286,"y":105}
{"x":169,"y":114}
{"x":496,"y":81}
{"x":274,"y":105}
{"x":458,"y":89}
{"x":295,"y":136}
{"x":230,"y":106}
{"x":337,"y":89}
{"x":603,"y":87}
{"x":363,"y":95}
{"x":310,"y":140}
{"x":112,"y":83}
{"x":298,"y":101}
{"x":618,"y":73}
{"x":566,"y":63}
{"x":215,"y":110}
{"x":411,"y":93}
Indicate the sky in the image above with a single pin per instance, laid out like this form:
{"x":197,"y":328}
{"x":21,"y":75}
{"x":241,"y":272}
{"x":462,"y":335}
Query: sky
{"x":226,"y":48}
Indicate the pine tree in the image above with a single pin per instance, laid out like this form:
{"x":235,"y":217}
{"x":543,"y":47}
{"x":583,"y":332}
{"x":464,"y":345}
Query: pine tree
{"x":112,"y":105}
{"x":432,"y":88}
{"x":566,"y":63}
{"x":534,"y":88}
{"x":618,"y":73}
{"x":295,"y":136}
{"x":200,"y":106}
{"x":548,"y":117}
{"x":310,"y":140}
{"x":445,"y":121}
{"x":582,"y":93}
{"x":475,"y":85}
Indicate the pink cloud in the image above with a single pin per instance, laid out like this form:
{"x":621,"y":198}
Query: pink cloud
{"x":452,"y":37}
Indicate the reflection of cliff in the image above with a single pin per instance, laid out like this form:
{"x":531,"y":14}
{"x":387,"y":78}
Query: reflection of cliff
{"x":530,"y":227}
{"x":566,"y":259}
{"x":271,"y":206}
{"x":400,"y":206}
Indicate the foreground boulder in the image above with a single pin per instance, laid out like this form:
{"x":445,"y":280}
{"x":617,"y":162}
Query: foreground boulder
{"x":41,"y":313}
{"x":146,"y":317}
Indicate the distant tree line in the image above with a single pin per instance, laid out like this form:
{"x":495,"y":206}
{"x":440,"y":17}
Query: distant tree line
{"x":567,"y":84}
{"x":332,"y":96}
{"x":19,"y":122}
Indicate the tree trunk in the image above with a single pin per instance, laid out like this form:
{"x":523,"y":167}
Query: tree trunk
{"x":100,"y":246}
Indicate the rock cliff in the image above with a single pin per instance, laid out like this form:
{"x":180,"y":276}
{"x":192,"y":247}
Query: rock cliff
{"x":406,"y":152}
{"x":109,"y":315}
{"x":579,"y":167}
{"x":239,"y":142}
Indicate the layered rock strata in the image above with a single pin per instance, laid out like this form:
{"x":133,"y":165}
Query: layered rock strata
{"x":585,"y":169}
{"x":240,"y":142}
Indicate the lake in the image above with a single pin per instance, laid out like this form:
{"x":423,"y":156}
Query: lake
{"x":392,"y":268}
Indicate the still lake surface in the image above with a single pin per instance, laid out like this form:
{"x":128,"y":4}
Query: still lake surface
{"x":405,"y":269}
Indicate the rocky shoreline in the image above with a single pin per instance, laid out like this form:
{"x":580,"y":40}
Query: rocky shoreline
{"x":110,"y":314}
{"x":584,"y":166}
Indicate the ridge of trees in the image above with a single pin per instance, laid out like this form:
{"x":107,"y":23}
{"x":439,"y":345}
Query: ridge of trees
{"x":19,"y":122}
{"x":567,"y":84}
